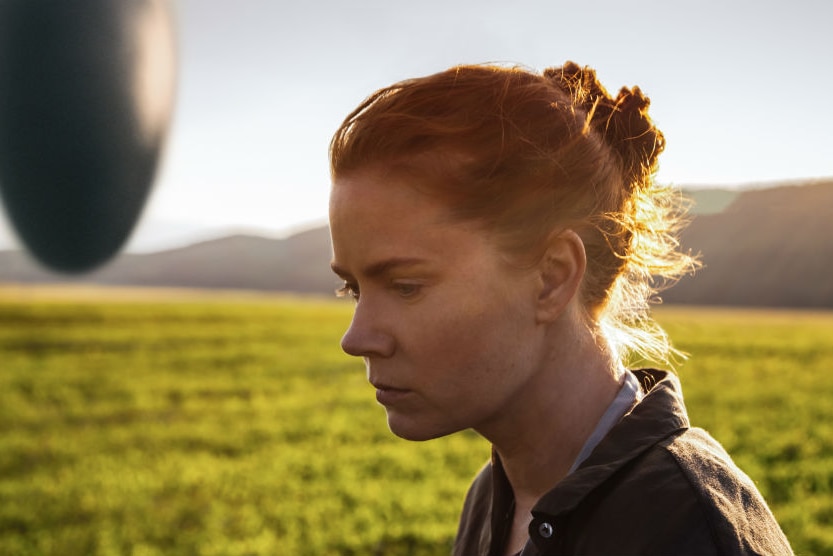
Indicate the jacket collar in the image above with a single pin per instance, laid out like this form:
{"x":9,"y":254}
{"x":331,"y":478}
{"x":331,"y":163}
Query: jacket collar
{"x":660,"y":414}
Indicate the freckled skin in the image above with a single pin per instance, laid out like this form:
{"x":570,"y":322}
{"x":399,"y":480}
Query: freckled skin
{"x":445,"y":325}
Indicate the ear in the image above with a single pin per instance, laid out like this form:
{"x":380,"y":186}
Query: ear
{"x":561,"y":270}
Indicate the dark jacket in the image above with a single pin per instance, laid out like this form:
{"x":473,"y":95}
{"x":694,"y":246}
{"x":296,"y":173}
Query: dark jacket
{"x":653,"y":485}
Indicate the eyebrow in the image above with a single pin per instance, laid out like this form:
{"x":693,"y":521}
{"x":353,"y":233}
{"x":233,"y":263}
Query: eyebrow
{"x":381,"y":267}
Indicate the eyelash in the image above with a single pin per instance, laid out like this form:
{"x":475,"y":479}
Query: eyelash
{"x":348,"y":289}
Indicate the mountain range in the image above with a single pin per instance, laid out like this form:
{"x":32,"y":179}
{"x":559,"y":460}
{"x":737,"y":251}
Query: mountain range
{"x":770,"y":247}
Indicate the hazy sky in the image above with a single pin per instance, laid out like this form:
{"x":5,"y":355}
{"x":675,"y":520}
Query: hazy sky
{"x":741,"y":89}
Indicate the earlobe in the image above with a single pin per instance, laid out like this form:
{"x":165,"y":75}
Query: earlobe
{"x":561,"y":270}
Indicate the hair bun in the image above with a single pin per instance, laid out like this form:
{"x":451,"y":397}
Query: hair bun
{"x":622,"y":122}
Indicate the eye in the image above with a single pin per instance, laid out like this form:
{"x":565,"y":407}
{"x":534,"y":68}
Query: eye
{"x":407,"y":289}
{"x":348,"y":289}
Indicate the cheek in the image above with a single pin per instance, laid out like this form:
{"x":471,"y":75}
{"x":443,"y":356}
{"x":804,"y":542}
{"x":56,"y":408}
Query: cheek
{"x":468,"y":340}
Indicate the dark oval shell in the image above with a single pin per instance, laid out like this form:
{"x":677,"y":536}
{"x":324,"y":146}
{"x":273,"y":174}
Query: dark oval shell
{"x":86,"y":95}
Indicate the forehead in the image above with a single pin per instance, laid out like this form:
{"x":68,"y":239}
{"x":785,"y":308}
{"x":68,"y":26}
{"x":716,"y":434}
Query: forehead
{"x":383,"y":199}
{"x":374,"y":216}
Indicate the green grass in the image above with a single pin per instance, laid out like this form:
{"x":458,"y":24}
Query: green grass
{"x":235,"y":426}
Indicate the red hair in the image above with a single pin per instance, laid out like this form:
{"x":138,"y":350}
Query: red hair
{"x":528,"y":154}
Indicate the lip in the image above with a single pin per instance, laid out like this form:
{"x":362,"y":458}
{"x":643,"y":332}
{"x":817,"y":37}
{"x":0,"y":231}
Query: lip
{"x":388,"y":395}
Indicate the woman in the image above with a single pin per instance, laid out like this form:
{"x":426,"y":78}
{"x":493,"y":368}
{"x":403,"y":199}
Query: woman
{"x":501,"y":233}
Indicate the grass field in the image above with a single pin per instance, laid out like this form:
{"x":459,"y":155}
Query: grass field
{"x":231,"y":424}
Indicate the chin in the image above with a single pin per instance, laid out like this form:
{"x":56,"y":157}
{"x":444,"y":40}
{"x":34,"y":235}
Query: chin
{"x":412,"y":429}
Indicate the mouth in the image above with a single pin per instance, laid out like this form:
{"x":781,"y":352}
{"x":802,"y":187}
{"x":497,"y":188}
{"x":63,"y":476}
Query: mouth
{"x":389,"y":395}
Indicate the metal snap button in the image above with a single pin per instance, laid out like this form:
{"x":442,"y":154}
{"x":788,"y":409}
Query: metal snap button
{"x":546,"y":530}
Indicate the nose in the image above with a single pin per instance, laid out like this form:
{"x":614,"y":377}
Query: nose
{"x":367,"y":335}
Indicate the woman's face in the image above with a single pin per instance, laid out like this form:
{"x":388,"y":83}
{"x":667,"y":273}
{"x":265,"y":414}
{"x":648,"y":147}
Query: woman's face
{"x":445,"y":324}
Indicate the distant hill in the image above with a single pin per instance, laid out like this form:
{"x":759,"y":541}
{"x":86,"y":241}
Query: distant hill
{"x":299,"y":263}
{"x":769,"y":247}
{"x":760,"y":247}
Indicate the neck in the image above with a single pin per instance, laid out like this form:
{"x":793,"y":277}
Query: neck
{"x":539,"y":437}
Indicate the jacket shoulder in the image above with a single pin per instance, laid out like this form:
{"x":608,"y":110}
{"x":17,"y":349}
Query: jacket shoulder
{"x":683,"y":496}
{"x":737,"y":515}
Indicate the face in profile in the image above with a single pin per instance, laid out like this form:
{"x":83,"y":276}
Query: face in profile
{"x":445,"y":323}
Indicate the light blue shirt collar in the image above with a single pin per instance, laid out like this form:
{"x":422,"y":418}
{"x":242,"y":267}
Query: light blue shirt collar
{"x":629,"y":395}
